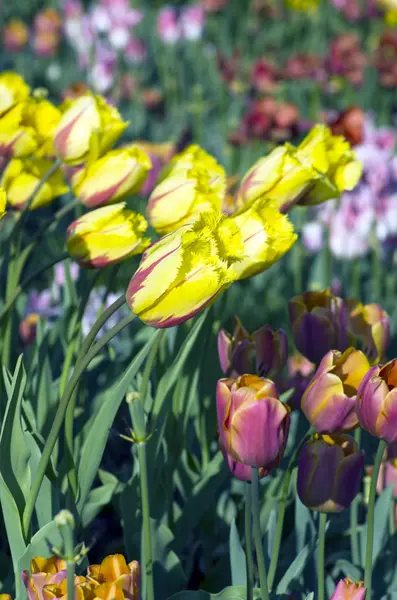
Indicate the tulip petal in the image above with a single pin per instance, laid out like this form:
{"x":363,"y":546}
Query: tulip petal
{"x":386,"y":424}
{"x":348,"y":480}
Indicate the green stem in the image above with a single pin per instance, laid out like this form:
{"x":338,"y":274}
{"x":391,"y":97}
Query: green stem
{"x":281,"y":512}
{"x":81,"y":366}
{"x":22,"y":286}
{"x":150,"y":363}
{"x":371,"y":518}
{"x":321,"y":556}
{"x":147,"y":536}
{"x":248,"y":542}
{"x":257,"y":535}
{"x":354,"y":515}
{"x":65,"y":522}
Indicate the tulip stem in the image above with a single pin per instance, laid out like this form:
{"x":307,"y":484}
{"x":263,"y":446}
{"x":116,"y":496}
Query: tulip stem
{"x":321,"y":556}
{"x":354,"y":515}
{"x":257,"y":535}
{"x":147,"y":534}
{"x":371,"y":518}
{"x":248,"y":542}
{"x":281,"y":512}
{"x":80,"y":367}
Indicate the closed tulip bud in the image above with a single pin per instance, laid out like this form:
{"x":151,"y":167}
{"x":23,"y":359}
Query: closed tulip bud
{"x":348,"y":590}
{"x":319,"y":324}
{"x":13,"y":89}
{"x":43,"y":117}
{"x":267,"y":236}
{"x":377,"y":401}
{"x":329,"y":402}
{"x":114,"y":578}
{"x":193,"y":184}
{"x":235,"y":351}
{"x":185,"y":271}
{"x":17,"y":137}
{"x":21,"y":178}
{"x":329,"y":472}
{"x":271,"y":350}
{"x":87,"y":122}
{"x":371,"y":324}
{"x":334,"y":160}
{"x":106,"y":236}
{"x":16,"y":35}
{"x":280,"y":176}
{"x":253,"y":423}
{"x":113,"y":177}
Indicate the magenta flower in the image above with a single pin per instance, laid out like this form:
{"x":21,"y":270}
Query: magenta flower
{"x":235,"y":351}
{"x":377,"y":401}
{"x":168,"y":27}
{"x":192,"y":22}
{"x":253,"y":423}
{"x":348,"y":590}
{"x":329,"y":472}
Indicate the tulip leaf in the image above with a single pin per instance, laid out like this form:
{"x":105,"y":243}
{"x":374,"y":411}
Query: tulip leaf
{"x":237,"y":557}
{"x":294,"y":570}
{"x":95,"y":442}
{"x":382,"y":510}
{"x":167,"y":571}
{"x":305,"y":529}
{"x":310,"y":596}
{"x":97,"y":499}
{"x":236,"y":592}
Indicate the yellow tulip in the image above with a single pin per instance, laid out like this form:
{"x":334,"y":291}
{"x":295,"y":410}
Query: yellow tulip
{"x":87,"y":122}
{"x":185,"y":271}
{"x":21,"y":178}
{"x":303,"y":5}
{"x":335,"y":162}
{"x":106,"y":236}
{"x":13,"y":89}
{"x":267,"y":235}
{"x":17,"y":137}
{"x":113,"y":177}
{"x":3,"y":202}
{"x":43,"y":117}
{"x":280,"y":176}
{"x":194,"y":183}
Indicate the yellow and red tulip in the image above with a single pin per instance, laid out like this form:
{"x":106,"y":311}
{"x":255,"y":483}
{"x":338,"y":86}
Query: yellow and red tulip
{"x":13,"y":89}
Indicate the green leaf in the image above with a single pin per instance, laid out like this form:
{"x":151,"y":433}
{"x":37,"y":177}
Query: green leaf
{"x":236,"y":592}
{"x":97,"y":499}
{"x":167,"y":571}
{"x":381,"y":517}
{"x":13,"y":528}
{"x":294,"y":570}
{"x":237,"y":557}
{"x":95,"y":442}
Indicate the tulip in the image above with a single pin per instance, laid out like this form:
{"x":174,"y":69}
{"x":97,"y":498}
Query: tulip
{"x":271,"y":350}
{"x":329,"y":472}
{"x":116,"y":579}
{"x":329,"y":402}
{"x":87,"y":123}
{"x":280,"y":176}
{"x":13,"y":89}
{"x":17,"y":137}
{"x":238,"y":469}
{"x":194,"y":183}
{"x":253,"y":423}
{"x":185,"y":271}
{"x":28,"y":328}
{"x":319,"y":324}
{"x":113,"y":177}
{"x":300,"y":371}
{"x":21,"y":178}
{"x":16,"y":35}
{"x":348,"y":590}
{"x":371,"y":324}
{"x":375,"y":401}
{"x":334,"y":160}
{"x":106,"y":236}
{"x":235,"y":351}
{"x":267,"y":236}
{"x":44,"y":573}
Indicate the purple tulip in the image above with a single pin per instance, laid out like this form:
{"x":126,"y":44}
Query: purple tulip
{"x":239,"y":469}
{"x":329,"y":472}
{"x":253,"y":423}
{"x":329,"y":401}
{"x":348,"y":590}
{"x":235,"y":351}
{"x":371,"y":324}
{"x":377,"y":401}
{"x":319,"y":324}
{"x":271,"y":350}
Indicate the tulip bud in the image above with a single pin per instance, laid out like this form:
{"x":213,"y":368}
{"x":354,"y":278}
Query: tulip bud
{"x":271,"y":350}
{"x":13,"y":89}
{"x":319,"y":324}
{"x":280,"y":176}
{"x":329,"y":402}
{"x":193,"y":183}
{"x":329,"y":472}
{"x":45,"y":573}
{"x":348,"y":590}
{"x":235,"y":351}
{"x":87,"y":122}
{"x":113,"y":578}
{"x":375,"y":401}
{"x":185,"y":271}
{"x":300,"y":371}
{"x":113,"y":177}
{"x":267,"y":236}
{"x":16,"y":35}
{"x":28,"y":328}
{"x":106,"y":236}
{"x":253,"y":423}
{"x":371,"y":324}
{"x":17,"y":138}
{"x":334,"y":160}
{"x":21,"y":178}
